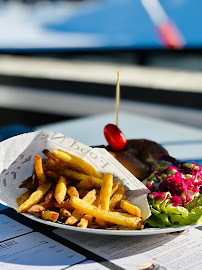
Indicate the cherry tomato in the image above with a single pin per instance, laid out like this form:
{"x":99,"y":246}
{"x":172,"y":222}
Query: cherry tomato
{"x":114,"y":137}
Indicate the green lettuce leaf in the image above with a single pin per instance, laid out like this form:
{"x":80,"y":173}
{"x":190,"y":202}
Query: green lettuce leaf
{"x":194,"y":203}
{"x":194,"y":217}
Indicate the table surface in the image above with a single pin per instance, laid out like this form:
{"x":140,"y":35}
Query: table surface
{"x":181,"y":141}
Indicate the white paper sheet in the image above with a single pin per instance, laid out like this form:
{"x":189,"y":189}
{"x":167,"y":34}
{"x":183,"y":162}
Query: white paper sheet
{"x":35,"y":251}
{"x":10,"y":228}
{"x":17,"y":159}
{"x":90,"y":265}
{"x":166,"y":251}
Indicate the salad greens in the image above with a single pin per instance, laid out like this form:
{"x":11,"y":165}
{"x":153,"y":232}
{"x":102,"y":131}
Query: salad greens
{"x":175,"y":198}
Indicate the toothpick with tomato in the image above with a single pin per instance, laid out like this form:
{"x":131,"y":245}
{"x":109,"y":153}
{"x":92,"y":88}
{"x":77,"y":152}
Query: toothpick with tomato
{"x":112,"y":133}
{"x":136,"y":155}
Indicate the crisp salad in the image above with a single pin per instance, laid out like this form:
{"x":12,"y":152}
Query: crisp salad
{"x":175,"y":198}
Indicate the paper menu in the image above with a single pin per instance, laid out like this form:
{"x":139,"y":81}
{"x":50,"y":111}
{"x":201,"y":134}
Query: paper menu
{"x":162,"y":251}
{"x":36,"y":251}
{"x":18,"y":159}
{"x":10,"y":228}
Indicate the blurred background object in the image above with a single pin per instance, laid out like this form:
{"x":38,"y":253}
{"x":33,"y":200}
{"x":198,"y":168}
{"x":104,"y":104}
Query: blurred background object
{"x":168,"y":33}
{"x":59,"y":59}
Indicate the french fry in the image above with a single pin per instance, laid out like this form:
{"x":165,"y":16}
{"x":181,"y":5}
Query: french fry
{"x":49,"y":154}
{"x":96,"y":202}
{"x":115,"y":199}
{"x":31,"y":183}
{"x":72,"y":191}
{"x":82,"y":192}
{"x":36,"y":208}
{"x":105,"y":192}
{"x":125,"y":197}
{"x":50,"y":196}
{"x":85,"y":184}
{"x":130,"y":208}
{"x":113,"y":217}
{"x":77,"y":214}
{"x":83,"y":223}
{"x":88,"y":217}
{"x":46,"y":205}
{"x":64,"y":213}
{"x":50,"y":165}
{"x":39,"y":170}
{"x":65,"y":204}
{"x":62,"y":155}
{"x":61,"y":190}
{"x":22,"y":198}
{"x":115,"y":187}
{"x":53,"y":175}
{"x":102,"y":223}
{"x":77,"y":162}
{"x":26,"y":183}
{"x":50,"y":215}
{"x":97,"y":182}
{"x":75,"y":217}
{"x":105,"y":195}
{"x":34,"y":198}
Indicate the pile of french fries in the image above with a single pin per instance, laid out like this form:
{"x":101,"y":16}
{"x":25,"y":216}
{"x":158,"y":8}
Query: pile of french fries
{"x":64,"y":188}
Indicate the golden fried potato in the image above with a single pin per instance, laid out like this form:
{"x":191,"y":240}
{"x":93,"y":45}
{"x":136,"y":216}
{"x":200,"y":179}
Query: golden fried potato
{"x":50,"y":215}
{"x":105,"y":192}
{"x":39,"y":170}
{"x":65,"y":204}
{"x":64,"y":213}
{"x":83,"y":223}
{"x":61,"y":190}
{"x":77,"y":214}
{"x":85,"y":184}
{"x":22,"y":198}
{"x":76,"y":162}
{"x":49,"y":203}
{"x":116,"y":198}
{"x":130,"y":208}
{"x":113,"y":217}
{"x":34,"y":198}
{"x":31,"y":183}
{"x":70,"y":174}
{"x":72,"y":191}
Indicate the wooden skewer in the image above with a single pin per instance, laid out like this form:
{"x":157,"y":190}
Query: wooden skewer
{"x":117,"y":97}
